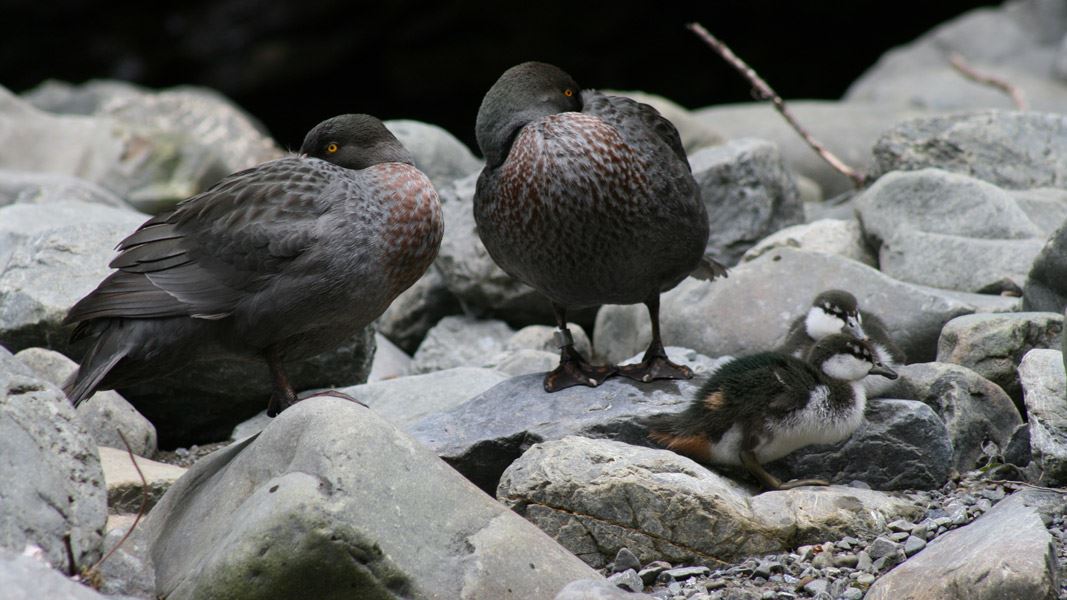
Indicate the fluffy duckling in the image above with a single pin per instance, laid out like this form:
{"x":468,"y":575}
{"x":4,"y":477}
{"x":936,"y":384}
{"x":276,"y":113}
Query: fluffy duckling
{"x":759,"y":408}
{"x":837,"y":311}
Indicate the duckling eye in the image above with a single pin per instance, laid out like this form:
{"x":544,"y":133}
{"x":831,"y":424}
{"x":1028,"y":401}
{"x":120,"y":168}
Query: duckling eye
{"x":331,"y":148}
{"x":568,"y":92}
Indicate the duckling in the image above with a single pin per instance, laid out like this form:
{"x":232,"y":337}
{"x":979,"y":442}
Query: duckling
{"x":837,"y":311}
{"x":759,"y":408}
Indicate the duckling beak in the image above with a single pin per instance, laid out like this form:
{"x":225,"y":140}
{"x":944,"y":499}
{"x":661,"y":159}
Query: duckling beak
{"x":853,"y":328}
{"x":884,"y":371}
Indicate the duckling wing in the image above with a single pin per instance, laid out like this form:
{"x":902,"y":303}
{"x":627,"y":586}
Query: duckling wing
{"x":215,"y":248}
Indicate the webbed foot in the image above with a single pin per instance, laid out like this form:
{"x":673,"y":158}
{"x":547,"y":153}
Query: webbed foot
{"x":655,"y":365}
{"x":570,"y":373}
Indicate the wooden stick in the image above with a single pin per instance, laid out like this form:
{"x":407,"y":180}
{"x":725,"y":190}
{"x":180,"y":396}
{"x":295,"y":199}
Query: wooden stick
{"x":140,"y":513}
{"x":961,"y":66}
{"x":763,"y":91}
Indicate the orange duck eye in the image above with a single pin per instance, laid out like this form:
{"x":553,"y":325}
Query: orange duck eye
{"x":331,"y":148}
{"x":568,"y":92}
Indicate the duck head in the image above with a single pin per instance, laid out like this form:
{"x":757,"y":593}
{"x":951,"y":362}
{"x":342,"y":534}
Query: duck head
{"x":354,"y":142}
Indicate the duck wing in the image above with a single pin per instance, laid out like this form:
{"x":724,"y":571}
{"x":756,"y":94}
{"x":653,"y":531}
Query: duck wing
{"x":634,"y":120}
{"x":215,"y":248}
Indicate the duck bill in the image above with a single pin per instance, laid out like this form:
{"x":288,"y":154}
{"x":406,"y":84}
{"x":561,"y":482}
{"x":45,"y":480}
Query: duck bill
{"x":884,"y":371}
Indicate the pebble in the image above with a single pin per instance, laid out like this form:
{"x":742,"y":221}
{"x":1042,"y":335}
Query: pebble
{"x":683,"y":573}
{"x":625,"y":559}
{"x":628,"y":580}
{"x":651,"y":572}
{"x":913,"y":544}
{"x":882,"y":547}
{"x":852,"y":593}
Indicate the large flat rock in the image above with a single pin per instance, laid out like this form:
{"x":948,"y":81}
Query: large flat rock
{"x":1045,"y":393}
{"x":330,"y":498}
{"x":751,"y":310}
{"x":1007,"y":553}
{"x":596,"y":496}
{"x":481,"y":437}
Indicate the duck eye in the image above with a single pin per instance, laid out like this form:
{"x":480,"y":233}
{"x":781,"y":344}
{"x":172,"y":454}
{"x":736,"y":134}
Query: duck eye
{"x":331,"y":148}
{"x":568,"y":92}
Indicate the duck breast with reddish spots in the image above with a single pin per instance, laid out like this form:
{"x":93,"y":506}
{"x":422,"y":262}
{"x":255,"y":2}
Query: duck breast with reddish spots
{"x":589,"y":199}
{"x":279,"y":262}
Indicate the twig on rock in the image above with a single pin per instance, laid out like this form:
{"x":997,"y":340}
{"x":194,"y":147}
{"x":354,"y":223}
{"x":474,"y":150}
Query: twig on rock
{"x":763,"y":91}
{"x":1017,"y":98}
{"x":72,"y":566}
{"x":91,"y":573}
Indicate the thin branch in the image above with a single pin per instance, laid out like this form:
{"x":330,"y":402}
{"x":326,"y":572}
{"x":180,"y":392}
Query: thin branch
{"x":763,"y":91}
{"x":1017,"y":97}
{"x":72,"y":565}
{"x":140,"y":513}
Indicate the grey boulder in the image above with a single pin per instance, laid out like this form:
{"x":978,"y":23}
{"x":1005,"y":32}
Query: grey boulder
{"x":596,"y":496}
{"x":848,"y":129}
{"x":104,"y":414}
{"x":436,"y":152}
{"x":460,"y":342}
{"x":50,"y":256}
{"x":543,"y":337}
{"x":749,"y":194}
{"x":159,"y":146}
{"x":1045,"y":393}
{"x":523,"y":361}
{"x":993,"y":345}
{"x":973,"y":408}
{"x":482,"y":436}
{"x":416,"y":310}
{"x":829,"y":236}
{"x":959,"y":263}
{"x":1046,"y":287}
{"x":19,"y":187}
{"x":938,"y":201}
{"x":1013,"y":150}
{"x":389,"y":361}
{"x":597,"y":589}
{"x":405,"y":400}
{"x":1006,"y":553}
{"x":773,"y":290}
{"x":53,"y":483}
{"x":1046,"y":207}
{"x":901,"y":444}
{"x":26,"y":577}
{"x":331,"y":498}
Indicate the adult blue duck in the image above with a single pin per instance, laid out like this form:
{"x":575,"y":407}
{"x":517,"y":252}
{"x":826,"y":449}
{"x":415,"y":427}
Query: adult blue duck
{"x":589,"y":199}
{"x":279,"y":262}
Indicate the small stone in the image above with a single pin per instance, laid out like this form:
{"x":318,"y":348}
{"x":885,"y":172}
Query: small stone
{"x":683,"y":573}
{"x":901,"y":525}
{"x":863,"y":561}
{"x":805,"y":552}
{"x":878,"y":564}
{"x":652,"y":570}
{"x":899,"y":536}
{"x":913,"y":545}
{"x":821,"y":560}
{"x":882,"y":547}
{"x":921,"y":532}
{"x":852,"y":593}
{"x":846,"y":560}
{"x":865,"y":579}
{"x":624,"y":560}
{"x":628,"y":580}
{"x":766,"y":567}
{"x":816,"y":586}
{"x":717,"y":584}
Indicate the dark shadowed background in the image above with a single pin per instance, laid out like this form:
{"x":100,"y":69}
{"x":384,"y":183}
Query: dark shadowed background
{"x":293,"y":63}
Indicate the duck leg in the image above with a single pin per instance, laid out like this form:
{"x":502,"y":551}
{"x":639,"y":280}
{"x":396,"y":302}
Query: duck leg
{"x":573,"y":368}
{"x":655,"y":364}
{"x":285,"y":396}
{"x":770,"y":482}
